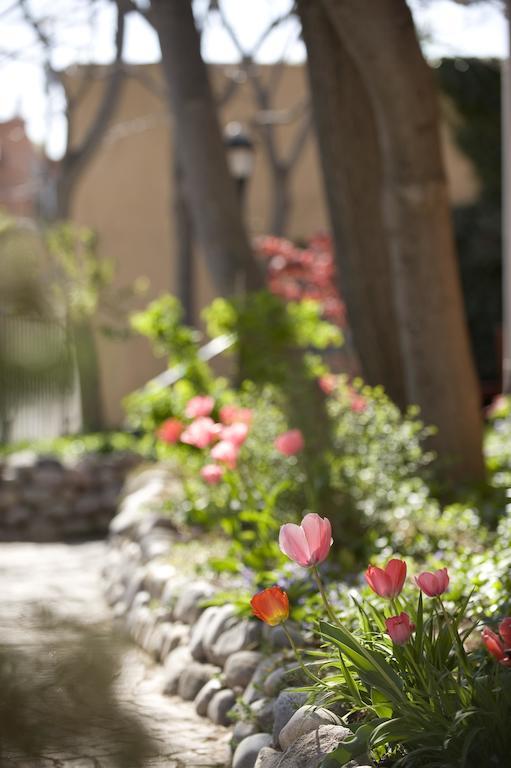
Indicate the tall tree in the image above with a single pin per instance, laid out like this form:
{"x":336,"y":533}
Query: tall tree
{"x":404,"y":177}
{"x":210,"y":191}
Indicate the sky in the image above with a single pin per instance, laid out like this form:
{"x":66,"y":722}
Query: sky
{"x":447,"y":29}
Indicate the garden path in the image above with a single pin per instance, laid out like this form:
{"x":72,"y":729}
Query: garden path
{"x":96,"y":711}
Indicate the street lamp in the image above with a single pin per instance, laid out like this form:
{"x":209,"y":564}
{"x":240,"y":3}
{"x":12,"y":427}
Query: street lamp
{"x":240,"y":156}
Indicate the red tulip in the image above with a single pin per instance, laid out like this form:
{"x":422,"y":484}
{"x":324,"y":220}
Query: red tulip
{"x":202,"y":405}
{"x":271,"y":606}
{"x":235,"y":433}
{"x":211,"y":473}
{"x":388,"y":581}
{"x":170,"y":431}
{"x":290,"y":442}
{"x":201,"y":432}
{"x":309,"y":543}
{"x":433,"y":584}
{"x":496,"y":647}
{"x":226,"y":452}
{"x":505,"y":631}
{"x":400,"y":628}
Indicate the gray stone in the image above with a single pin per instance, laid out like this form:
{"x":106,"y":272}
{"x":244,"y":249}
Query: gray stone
{"x":244,"y":635}
{"x":220,"y":706}
{"x":156,"y":577}
{"x":268,"y":758}
{"x":173,"y":635}
{"x":286,"y":704}
{"x":241,"y":730}
{"x":205,"y":695}
{"x":307,"y":718}
{"x":194,"y":677}
{"x":282,"y":677}
{"x":175,"y":664}
{"x":277,"y":638}
{"x":198,"y":630}
{"x":248,"y":750}
{"x":134,"y":585}
{"x":188,"y":607}
{"x":312,"y":748}
{"x":141,"y":598}
{"x":240,"y":667}
{"x":220,"y":621}
{"x":254,"y":690}
{"x":262,"y":710}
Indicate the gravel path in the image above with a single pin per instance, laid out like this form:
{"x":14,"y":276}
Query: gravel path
{"x":71,"y":691}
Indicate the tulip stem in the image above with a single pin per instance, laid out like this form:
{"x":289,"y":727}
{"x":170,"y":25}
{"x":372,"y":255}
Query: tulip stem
{"x":326,"y":602}
{"x":298,"y":657}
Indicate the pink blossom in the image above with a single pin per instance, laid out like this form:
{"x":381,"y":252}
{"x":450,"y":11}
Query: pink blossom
{"x":201,"y":432}
{"x":235,"y":433}
{"x":400,"y":628}
{"x":202,"y":405}
{"x":230,"y":414}
{"x":433,"y":584}
{"x":290,"y":442}
{"x":170,"y":431}
{"x":309,"y":543}
{"x":211,"y":473}
{"x":328,"y":383}
{"x":226,"y":452}
{"x":388,"y":581}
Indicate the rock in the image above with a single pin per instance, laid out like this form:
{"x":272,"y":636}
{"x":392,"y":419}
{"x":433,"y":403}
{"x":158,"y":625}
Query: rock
{"x":282,"y":677}
{"x":175,"y":663}
{"x":194,"y":677}
{"x":205,"y":695}
{"x":173,"y":635}
{"x":135,"y":506}
{"x":220,"y":621}
{"x":198,"y":630}
{"x":188,"y":606}
{"x":310,"y":750}
{"x":242,"y":729}
{"x":134,"y":585}
{"x":276,"y":637}
{"x":240,"y":667}
{"x":286,"y":704}
{"x":262,"y":710}
{"x":248,"y":750}
{"x":244,"y":635}
{"x":268,"y":758}
{"x":220,"y":705}
{"x":156,"y":577}
{"x":141,"y":598}
{"x":307,"y":718}
{"x":254,"y":690}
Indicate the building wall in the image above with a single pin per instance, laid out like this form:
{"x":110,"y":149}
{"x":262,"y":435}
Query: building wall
{"x":126,"y":195}
{"x":19,"y":169}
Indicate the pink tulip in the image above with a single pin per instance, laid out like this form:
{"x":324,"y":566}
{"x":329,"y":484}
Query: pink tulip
{"x":202,"y":405}
{"x":235,"y":433}
{"x":433,"y":584}
{"x":400,"y":628}
{"x":309,"y":543}
{"x":200,"y":433}
{"x":388,"y":581}
{"x":211,"y":473}
{"x":505,"y":631}
{"x":290,"y":442}
{"x":229,"y":414}
{"x":225,"y":452}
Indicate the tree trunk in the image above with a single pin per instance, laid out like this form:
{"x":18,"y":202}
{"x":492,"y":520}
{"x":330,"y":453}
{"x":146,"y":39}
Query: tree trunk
{"x":184,"y":247}
{"x":210,"y":190}
{"x":88,"y":374}
{"x":439,"y":373}
{"x":352,"y":172}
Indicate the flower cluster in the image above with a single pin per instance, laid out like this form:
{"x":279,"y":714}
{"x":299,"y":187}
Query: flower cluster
{"x":224,"y":438}
{"x":303,"y":273}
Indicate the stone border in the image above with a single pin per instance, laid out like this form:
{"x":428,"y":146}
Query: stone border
{"x":43,"y":499}
{"x":236,"y":670}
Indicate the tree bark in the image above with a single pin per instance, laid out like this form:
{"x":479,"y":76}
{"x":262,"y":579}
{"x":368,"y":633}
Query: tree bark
{"x":184,"y":247}
{"x":438,"y":368}
{"x":352,"y":173}
{"x":210,"y":190}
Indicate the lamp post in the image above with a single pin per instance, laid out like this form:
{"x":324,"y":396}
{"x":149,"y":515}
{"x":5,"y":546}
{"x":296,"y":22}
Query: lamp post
{"x":240,"y":156}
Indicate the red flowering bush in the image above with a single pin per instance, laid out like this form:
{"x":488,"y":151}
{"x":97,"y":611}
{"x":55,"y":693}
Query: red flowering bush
{"x":295,"y":273}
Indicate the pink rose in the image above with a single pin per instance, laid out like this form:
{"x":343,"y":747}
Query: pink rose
{"x":229,"y":414}
{"x":211,"y":473}
{"x":226,"y":452}
{"x":235,"y":433}
{"x":200,"y":433}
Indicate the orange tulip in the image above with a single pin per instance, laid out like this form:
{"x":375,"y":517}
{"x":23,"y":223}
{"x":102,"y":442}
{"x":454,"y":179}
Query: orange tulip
{"x":271,"y":606}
